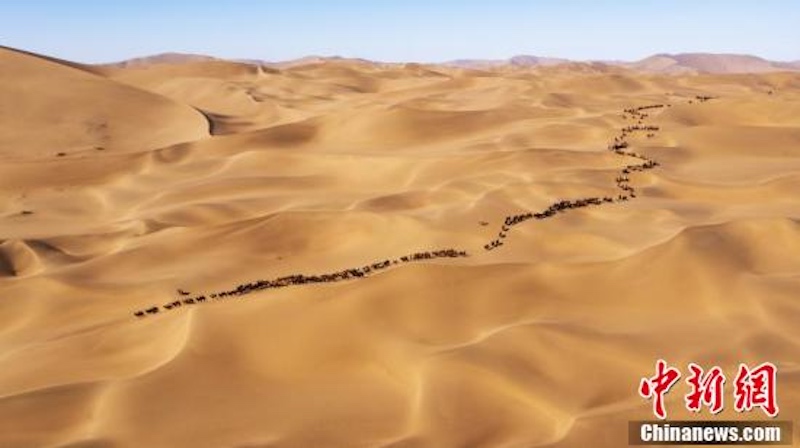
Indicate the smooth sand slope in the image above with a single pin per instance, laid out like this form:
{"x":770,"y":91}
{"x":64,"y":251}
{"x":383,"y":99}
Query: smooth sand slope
{"x":121,"y":186}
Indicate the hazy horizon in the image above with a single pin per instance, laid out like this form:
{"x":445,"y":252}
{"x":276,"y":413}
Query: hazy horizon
{"x":457,"y":59}
{"x":409,"y":32}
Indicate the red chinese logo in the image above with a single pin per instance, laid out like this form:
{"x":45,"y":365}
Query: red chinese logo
{"x":657,"y":386}
{"x":706,"y":389}
{"x":754,"y":388}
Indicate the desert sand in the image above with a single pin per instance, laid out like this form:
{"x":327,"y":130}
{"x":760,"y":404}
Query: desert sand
{"x":145,"y":187}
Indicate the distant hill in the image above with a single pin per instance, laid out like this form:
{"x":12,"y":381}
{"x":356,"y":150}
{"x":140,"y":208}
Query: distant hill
{"x":163,"y":58}
{"x":795,"y":65}
{"x":309,"y":60}
{"x":517,"y":61}
{"x":683,"y":63}
{"x":530,"y":61}
{"x":660,"y":63}
{"x":709,"y":63}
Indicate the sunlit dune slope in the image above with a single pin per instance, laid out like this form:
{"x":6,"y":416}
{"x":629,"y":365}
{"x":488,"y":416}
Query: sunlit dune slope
{"x":50,"y":109}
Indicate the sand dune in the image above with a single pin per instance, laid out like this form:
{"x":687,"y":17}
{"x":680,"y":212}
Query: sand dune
{"x":60,"y":110}
{"x":293,"y":201}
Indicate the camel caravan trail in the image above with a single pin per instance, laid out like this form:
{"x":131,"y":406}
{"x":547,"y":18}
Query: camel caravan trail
{"x":619,"y":145}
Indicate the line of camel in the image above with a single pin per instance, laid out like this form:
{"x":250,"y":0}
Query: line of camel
{"x":300,"y":279}
{"x":626,"y":192}
{"x":618,"y":146}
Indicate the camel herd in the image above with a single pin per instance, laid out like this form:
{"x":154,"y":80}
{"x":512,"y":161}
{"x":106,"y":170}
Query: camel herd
{"x":300,"y":279}
{"x":618,"y":146}
{"x":626,"y":192}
